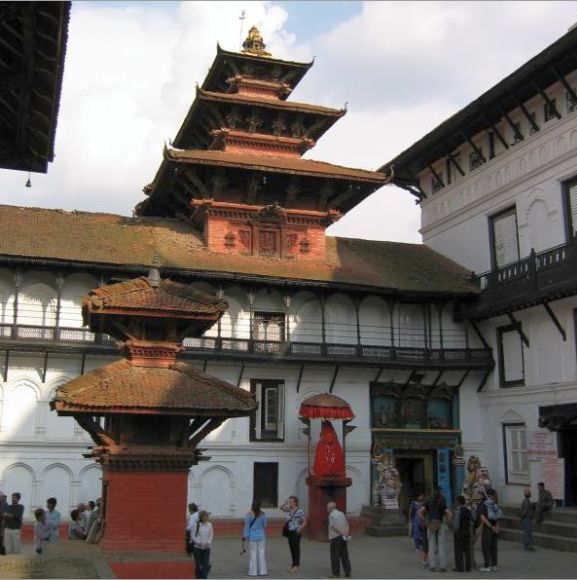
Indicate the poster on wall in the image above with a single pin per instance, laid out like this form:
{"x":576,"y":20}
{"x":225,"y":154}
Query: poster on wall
{"x":553,"y":476}
{"x":542,"y":445}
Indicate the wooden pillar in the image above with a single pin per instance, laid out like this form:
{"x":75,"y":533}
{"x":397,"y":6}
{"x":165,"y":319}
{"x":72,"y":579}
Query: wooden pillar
{"x":287,"y":303}
{"x":323,"y":325}
{"x":358,"y":317}
{"x":17,"y":284}
{"x":59,"y":286}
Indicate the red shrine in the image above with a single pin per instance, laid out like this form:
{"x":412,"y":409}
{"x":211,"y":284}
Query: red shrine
{"x":148,"y":412}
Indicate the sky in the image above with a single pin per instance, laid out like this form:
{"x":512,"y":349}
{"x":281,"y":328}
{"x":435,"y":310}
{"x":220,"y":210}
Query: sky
{"x":401,"y":68}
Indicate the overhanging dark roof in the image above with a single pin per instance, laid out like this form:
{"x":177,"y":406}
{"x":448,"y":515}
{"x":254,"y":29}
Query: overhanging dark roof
{"x":32,"y":50}
{"x":553,"y":63}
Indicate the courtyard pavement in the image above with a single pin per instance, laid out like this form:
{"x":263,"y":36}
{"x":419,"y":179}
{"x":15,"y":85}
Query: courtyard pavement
{"x":370,"y":558}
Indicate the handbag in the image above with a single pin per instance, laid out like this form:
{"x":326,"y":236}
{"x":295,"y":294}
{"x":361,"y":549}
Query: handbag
{"x":285,"y":529}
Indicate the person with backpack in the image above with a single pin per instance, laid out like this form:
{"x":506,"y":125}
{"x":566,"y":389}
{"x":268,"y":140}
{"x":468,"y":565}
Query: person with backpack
{"x":462,"y":536}
{"x":254,"y":532}
{"x":436,"y":515}
{"x":489,"y":515}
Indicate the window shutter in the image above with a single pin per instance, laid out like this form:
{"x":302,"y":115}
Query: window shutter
{"x":280,"y":420}
{"x":513,"y":357}
{"x":259,"y":411}
{"x":506,"y":240}
{"x":573,"y":207}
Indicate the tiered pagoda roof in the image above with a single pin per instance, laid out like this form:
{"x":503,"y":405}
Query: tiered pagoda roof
{"x":242,"y":142}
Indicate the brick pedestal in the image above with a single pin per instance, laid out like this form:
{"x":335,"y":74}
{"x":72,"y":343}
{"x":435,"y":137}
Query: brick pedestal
{"x":321,"y":491}
{"x":145,"y":510}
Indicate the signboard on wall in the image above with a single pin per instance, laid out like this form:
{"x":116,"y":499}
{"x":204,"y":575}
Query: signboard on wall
{"x":542,"y":445}
{"x":553,"y":476}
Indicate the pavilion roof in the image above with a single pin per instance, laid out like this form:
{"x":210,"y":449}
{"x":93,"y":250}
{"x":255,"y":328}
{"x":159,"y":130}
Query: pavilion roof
{"x":168,"y":299}
{"x":289,"y":165}
{"x":180,"y":389}
{"x":108,"y":242}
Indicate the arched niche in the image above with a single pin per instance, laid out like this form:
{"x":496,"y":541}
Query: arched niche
{"x":90,"y":484}
{"x":75,"y":287}
{"x":215,"y":490}
{"x":539,"y":226}
{"x":20,"y":477}
{"x":375,"y":320}
{"x":57,"y":483}
{"x":37,"y":305}
{"x":340,"y":320}
{"x":20,"y":410}
{"x":58,"y":427}
{"x":306,"y":323}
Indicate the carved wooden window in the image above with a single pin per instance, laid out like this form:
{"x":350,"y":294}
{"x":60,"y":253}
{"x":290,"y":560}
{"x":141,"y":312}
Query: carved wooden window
{"x":504,"y":238}
{"x":570,"y":101}
{"x":267,"y":422}
{"x":268,"y":243}
{"x":475,"y":159}
{"x":511,"y":356}
{"x":515,"y":447}
{"x":549,"y":110}
{"x":570,"y":188}
{"x":269,"y":326}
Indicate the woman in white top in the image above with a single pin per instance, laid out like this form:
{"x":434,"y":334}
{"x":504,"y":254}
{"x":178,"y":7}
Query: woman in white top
{"x":201,"y":536}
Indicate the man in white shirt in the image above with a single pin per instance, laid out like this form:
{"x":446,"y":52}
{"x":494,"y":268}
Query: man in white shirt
{"x":338,"y":538}
{"x":191,"y":522}
{"x":53,"y":519}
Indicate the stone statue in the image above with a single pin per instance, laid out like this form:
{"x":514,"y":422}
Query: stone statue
{"x":388,"y":486}
{"x":478,"y":480}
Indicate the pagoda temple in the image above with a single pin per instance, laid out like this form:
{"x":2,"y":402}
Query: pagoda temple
{"x":235,"y":170}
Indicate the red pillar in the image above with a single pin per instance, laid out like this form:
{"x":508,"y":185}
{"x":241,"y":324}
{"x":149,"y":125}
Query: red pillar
{"x":321,"y":491}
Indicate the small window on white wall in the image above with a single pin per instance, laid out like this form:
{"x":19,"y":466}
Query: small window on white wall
{"x":515,"y":446}
{"x":505,"y":239}
{"x":267,"y":422}
{"x":511,"y":359}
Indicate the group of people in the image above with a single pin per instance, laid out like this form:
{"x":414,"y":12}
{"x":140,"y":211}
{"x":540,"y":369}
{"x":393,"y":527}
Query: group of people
{"x":429,"y":522}
{"x":200,"y":534}
{"x":84,"y":523}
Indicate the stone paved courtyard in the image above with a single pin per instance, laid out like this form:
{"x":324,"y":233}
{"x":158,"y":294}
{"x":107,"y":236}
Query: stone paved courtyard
{"x":370,"y":558}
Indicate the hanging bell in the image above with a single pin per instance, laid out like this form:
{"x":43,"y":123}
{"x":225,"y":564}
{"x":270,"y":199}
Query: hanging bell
{"x":28,"y":182}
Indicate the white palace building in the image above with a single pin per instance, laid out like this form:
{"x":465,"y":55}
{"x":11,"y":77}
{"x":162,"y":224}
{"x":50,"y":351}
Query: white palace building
{"x":464,"y":345}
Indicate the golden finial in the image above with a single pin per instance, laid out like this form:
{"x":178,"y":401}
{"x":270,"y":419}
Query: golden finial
{"x":254,"y":43}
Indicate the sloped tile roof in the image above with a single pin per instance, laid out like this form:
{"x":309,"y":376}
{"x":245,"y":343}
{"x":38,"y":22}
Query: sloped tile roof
{"x":118,"y":240}
{"x":276,"y":164}
{"x":179,"y":389}
{"x":169,"y":298}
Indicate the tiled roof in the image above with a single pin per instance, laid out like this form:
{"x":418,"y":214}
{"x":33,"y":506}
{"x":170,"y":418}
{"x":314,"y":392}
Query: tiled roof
{"x":267,"y":102}
{"x":276,"y":164}
{"x":169,"y":298}
{"x":180,"y":389}
{"x":117,"y":240}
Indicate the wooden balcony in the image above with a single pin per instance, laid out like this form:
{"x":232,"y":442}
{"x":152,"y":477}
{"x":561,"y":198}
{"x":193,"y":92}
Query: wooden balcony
{"x":48,"y":339}
{"x":539,"y":278}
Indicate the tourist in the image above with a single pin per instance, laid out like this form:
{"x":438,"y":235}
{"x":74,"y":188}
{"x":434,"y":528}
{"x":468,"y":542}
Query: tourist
{"x":76,"y":531}
{"x":94,"y":523}
{"x":418,"y":530}
{"x":436,"y":516}
{"x":90,"y":507}
{"x":545,"y":502}
{"x":82,"y":515}
{"x":254,"y":532}
{"x":527,"y":515}
{"x":339,"y":539}
{"x":201,"y":536}
{"x":489,"y":515}
{"x":42,"y":530}
{"x":462,"y":536}
{"x":3,"y":506}
{"x":13,"y":525}
{"x":296,"y":522}
{"x":191,"y":522}
{"x":52,"y":519}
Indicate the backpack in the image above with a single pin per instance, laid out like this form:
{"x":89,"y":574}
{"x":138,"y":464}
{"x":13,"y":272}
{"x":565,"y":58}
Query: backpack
{"x":494,"y":512}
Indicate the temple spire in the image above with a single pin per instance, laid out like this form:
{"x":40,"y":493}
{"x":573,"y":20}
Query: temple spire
{"x":254,"y":43}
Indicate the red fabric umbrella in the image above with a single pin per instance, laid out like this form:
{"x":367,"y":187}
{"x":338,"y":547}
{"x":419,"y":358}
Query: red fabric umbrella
{"x":326,"y":406}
